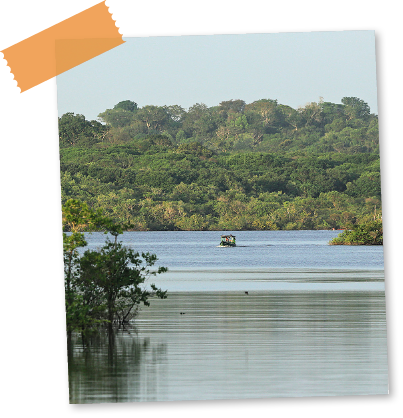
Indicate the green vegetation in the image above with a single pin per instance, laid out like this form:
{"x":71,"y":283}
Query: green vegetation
{"x":105,"y":286}
{"x":370,"y":233}
{"x":234,"y":166}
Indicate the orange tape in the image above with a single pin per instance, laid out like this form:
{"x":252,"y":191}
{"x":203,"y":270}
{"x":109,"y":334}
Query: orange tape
{"x":78,"y":39}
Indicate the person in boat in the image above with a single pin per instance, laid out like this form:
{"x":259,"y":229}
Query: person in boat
{"x":227,"y":240}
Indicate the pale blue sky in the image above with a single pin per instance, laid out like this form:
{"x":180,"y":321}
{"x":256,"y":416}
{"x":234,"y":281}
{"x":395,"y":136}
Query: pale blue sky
{"x":294,"y":68}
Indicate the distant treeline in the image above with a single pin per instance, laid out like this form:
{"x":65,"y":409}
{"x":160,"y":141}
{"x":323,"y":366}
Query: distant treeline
{"x":230,"y":167}
{"x":264,"y":126}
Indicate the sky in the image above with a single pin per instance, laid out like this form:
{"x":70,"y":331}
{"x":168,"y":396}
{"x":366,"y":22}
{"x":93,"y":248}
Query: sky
{"x":294,"y":68}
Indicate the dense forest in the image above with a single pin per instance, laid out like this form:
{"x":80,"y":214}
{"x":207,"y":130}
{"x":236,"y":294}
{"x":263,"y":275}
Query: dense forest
{"x":235,"y":166}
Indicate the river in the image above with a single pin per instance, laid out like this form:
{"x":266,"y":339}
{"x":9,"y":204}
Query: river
{"x":283,"y":314}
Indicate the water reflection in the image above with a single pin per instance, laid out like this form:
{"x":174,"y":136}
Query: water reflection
{"x":110,"y":369}
{"x":229,"y":345}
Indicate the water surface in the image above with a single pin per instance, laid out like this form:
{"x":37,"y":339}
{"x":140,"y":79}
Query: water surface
{"x":312,"y":324}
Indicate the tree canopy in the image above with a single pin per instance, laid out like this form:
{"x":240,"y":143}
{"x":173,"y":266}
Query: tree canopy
{"x":238,"y":165}
{"x":102,"y":286}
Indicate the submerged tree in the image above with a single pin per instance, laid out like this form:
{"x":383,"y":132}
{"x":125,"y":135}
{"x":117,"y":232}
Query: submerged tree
{"x":119,"y":274}
{"x":102,"y":286}
{"x":77,"y":218}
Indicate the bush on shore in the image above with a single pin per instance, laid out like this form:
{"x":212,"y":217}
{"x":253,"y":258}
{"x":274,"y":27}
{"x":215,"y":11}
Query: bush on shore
{"x":370,"y":233}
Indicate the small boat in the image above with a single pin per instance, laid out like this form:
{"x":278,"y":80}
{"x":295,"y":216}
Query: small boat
{"x":227,"y":241}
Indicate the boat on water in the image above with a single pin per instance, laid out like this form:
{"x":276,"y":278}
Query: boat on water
{"x":227,"y":241}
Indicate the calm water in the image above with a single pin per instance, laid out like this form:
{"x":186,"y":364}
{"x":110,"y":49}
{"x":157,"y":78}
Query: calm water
{"x":313,"y":322}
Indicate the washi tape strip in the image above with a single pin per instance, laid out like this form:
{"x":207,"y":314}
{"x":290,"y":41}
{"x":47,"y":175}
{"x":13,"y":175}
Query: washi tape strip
{"x":77,"y":39}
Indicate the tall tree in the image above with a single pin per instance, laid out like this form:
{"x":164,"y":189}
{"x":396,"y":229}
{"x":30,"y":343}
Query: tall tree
{"x":355,"y":108}
{"x":77,"y":218}
{"x":117,"y":118}
{"x":269,"y":112}
{"x":237,"y":106}
{"x":154,"y":117}
{"x":110,"y":280}
{"x":312,"y":114}
{"x":128,"y":105}
{"x":119,"y":274}
{"x":175,"y":112}
{"x":76,"y":130}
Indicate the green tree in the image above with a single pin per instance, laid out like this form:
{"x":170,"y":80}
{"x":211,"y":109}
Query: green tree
{"x":292,"y":117}
{"x":355,"y":108}
{"x":154,"y":117}
{"x":76,"y":130}
{"x":175,"y":112}
{"x":312,"y":114}
{"x":236,"y":106}
{"x":106,"y":285}
{"x":118,"y":274}
{"x":370,"y":233}
{"x":180,"y":136}
{"x":271,"y":115}
{"x":117,"y":118}
{"x":77,"y":217}
{"x":126,"y":105}
{"x":198,"y":120}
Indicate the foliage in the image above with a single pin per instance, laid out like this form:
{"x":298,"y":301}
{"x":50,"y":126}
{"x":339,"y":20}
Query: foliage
{"x":370,"y":233}
{"x":264,"y":125}
{"x":106,"y":285}
{"x":163,"y":188}
{"x":116,"y":117}
{"x":128,"y":105}
{"x":77,"y":217}
{"x":117,"y":274}
{"x":261,"y":165}
{"x":75,"y":130}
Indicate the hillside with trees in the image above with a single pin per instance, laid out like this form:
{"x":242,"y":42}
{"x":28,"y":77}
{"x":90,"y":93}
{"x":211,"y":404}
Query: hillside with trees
{"x":234,"y":166}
